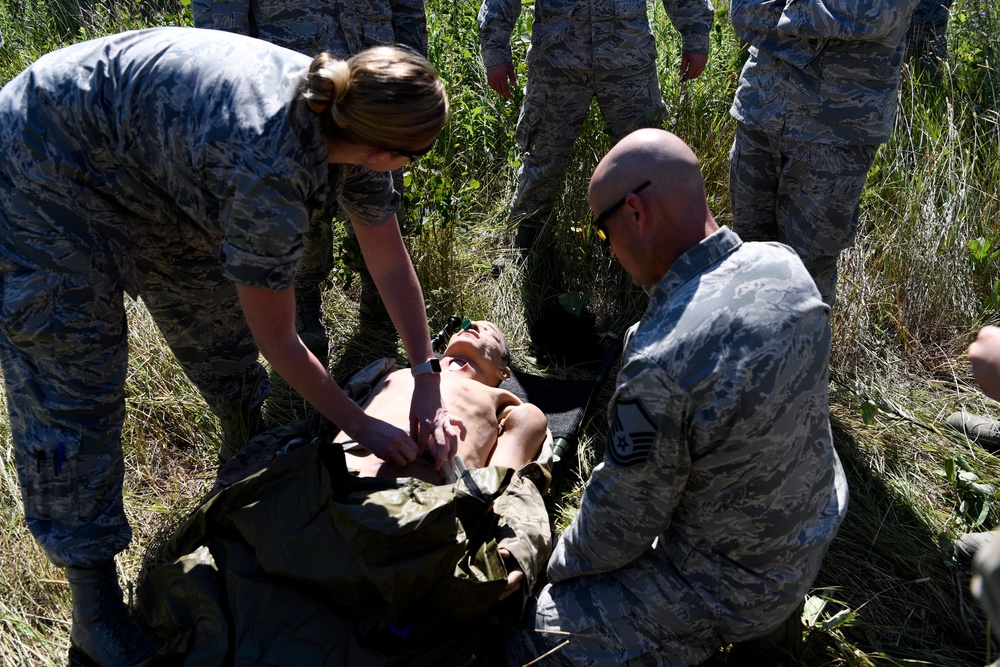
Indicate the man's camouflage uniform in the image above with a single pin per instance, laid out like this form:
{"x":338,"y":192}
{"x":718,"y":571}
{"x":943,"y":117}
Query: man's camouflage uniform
{"x":579,"y":51}
{"x":343,"y":28}
{"x":816,"y":98}
{"x":720,"y":489}
{"x":167,"y":165}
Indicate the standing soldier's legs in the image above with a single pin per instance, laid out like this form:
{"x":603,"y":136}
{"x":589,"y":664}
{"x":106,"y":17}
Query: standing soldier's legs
{"x":64,"y":354}
{"x":754,"y":166}
{"x":819,"y":204}
{"x":409,"y":24}
{"x":927,"y":38}
{"x":314,"y":270}
{"x":555,"y":105}
{"x":629,"y":100}
{"x":803,"y":194}
{"x":198,"y":312}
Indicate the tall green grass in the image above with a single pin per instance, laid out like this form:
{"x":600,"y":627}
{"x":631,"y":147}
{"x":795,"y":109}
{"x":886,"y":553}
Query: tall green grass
{"x":921,"y":279}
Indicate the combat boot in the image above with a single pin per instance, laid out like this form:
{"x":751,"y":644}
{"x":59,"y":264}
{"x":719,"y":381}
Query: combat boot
{"x":309,"y":321}
{"x":528,"y":231}
{"x":103,"y":633}
{"x":985,"y":431}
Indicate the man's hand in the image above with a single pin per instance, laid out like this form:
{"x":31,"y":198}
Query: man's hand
{"x":502,"y":78}
{"x":515,"y":576}
{"x":430,"y":424}
{"x":985,"y":356}
{"x":387,"y":442}
{"x":692,"y":65}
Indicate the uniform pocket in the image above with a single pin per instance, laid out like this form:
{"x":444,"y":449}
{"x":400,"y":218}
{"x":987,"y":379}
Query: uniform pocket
{"x":530,"y":120}
{"x":48,"y":471}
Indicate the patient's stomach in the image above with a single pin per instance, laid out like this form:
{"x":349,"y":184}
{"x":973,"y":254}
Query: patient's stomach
{"x":362,"y":463}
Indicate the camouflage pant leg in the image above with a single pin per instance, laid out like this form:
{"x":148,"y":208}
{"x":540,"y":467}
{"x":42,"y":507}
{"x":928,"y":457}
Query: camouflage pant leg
{"x":64,"y":354}
{"x":630,"y":100}
{"x":803,"y":194}
{"x":317,"y":259}
{"x":556,"y":102}
{"x":595,"y":621}
{"x":927,"y":39}
{"x":198,"y":312}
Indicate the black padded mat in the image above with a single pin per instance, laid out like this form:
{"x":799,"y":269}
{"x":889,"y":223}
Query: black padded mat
{"x":562,"y":401}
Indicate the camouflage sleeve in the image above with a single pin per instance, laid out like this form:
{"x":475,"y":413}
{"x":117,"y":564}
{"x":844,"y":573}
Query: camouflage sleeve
{"x":693,"y":20}
{"x":496,"y":23}
{"x":366,"y":196}
{"x":630,"y":498}
{"x":409,"y":24}
{"x":263,"y":215}
{"x":844,"y":19}
{"x":524,"y":528}
{"x":228,"y":15}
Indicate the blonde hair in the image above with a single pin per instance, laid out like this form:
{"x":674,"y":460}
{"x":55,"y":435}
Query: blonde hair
{"x":385,"y":96}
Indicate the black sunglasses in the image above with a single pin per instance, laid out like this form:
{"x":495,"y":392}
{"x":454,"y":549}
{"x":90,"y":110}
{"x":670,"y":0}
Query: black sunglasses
{"x":412,"y":154}
{"x":598,"y":222}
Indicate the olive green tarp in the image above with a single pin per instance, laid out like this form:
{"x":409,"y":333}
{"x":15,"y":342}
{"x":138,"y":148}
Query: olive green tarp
{"x":300,"y":563}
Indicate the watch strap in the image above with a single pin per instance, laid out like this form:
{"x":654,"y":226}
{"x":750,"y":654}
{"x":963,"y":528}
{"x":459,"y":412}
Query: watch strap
{"x":432,"y":365}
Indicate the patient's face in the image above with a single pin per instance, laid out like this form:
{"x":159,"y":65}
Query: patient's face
{"x":485,"y":346}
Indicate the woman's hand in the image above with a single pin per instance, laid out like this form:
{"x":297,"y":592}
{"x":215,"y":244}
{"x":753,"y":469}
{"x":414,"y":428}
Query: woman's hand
{"x":386,"y":441}
{"x":431,"y":426}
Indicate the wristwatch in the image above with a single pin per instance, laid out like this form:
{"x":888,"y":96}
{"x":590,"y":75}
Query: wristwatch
{"x":429,"y":366}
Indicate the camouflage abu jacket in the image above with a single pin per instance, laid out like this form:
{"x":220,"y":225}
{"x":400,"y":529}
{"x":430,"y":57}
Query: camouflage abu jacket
{"x":124,"y":148}
{"x":719,"y":475}
{"x":825,"y":72}
{"x":590,"y":34}
{"x":342,"y":27}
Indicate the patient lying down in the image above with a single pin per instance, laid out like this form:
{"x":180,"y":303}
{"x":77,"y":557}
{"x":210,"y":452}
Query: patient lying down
{"x":287,"y":563}
{"x":499,"y":429}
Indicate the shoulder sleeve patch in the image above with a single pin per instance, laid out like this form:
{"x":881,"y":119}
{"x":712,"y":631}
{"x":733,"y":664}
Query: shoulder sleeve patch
{"x":632,"y":434}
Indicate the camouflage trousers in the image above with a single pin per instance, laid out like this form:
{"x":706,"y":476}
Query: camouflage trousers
{"x":64,"y":356}
{"x":927,"y":38}
{"x":318,"y":258}
{"x":804,"y":194}
{"x":595,"y":620}
{"x":555,"y":106}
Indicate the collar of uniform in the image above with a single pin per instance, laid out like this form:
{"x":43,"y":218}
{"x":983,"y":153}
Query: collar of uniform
{"x":697,"y":260}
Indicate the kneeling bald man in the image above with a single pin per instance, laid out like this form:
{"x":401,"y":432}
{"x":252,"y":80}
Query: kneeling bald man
{"x":720,"y":489}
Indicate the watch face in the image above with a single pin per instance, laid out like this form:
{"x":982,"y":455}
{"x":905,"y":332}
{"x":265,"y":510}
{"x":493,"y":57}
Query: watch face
{"x":435,"y":365}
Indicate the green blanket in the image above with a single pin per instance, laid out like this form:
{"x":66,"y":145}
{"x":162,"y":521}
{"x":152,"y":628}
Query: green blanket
{"x":299,"y":563}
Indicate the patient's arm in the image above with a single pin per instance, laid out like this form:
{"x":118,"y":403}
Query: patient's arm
{"x":521,"y":434}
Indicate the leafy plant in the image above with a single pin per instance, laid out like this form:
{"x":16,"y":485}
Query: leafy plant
{"x":976,"y":499}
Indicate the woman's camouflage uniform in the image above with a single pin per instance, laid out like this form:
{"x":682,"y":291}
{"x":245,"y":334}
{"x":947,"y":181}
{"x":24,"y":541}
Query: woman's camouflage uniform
{"x":168,"y":166}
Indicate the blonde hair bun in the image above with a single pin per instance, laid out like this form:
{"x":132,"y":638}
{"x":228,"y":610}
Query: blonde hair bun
{"x":328,"y":83}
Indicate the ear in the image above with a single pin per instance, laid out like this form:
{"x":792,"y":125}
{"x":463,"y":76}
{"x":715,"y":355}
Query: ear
{"x":639,"y":212}
{"x":378,"y":158}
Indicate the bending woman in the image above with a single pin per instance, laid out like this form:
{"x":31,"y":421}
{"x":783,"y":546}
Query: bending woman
{"x":181,"y":166}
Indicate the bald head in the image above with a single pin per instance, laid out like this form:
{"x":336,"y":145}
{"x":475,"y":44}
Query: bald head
{"x":673,"y":206}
